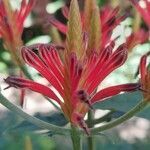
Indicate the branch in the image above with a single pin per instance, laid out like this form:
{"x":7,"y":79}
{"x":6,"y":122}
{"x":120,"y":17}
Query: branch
{"x":34,"y":120}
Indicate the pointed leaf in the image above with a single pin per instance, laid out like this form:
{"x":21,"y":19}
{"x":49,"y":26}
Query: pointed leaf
{"x":124,"y":102}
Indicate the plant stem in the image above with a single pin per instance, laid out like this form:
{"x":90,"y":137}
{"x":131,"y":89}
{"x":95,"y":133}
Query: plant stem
{"x":55,"y":106}
{"x":90,"y":125}
{"x":28,"y":143}
{"x":141,"y":105}
{"x":61,"y":130}
{"x":76,"y":139}
{"x":42,"y":124}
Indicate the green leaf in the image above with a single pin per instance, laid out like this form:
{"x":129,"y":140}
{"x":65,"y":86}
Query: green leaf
{"x":123,"y":103}
{"x":54,"y":118}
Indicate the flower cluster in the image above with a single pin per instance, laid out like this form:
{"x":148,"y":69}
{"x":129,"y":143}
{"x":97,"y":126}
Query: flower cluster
{"x":75,"y":80}
{"x":82,"y":67}
{"x":143,"y":7}
{"x":94,"y":22}
{"x":11,"y":26}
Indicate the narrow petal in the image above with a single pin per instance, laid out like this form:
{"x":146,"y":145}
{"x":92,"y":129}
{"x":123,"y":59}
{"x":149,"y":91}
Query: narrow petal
{"x":143,"y":68}
{"x":22,"y":9}
{"x":47,"y":56}
{"x":115,"y":61}
{"x":24,"y":12}
{"x":110,"y":19}
{"x":136,"y":38}
{"x":94,"y":66}
{"x":75,"y":71}
{"x":114,"y":90}
{"x":65,"y":12}
{"x":33,"y":60}
{"x":36,"y":87}
{"x":60,"y":26}
{"x":143,"y":11}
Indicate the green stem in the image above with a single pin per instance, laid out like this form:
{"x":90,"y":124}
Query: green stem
{"x":57,"y":108}
{"x":76,"y":138}
{"x":141,"y":105}
{"x":60,"y":130}
{"x":36,"y":121}
{"x":90,"y":125}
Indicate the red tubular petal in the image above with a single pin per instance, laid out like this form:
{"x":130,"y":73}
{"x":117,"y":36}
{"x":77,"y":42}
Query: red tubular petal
{"x":107,"y":13}
{"x":143,"y":11}
{"x":135,"y":2}
{"x":115,"y":61}
{"x":7,"y":29}
{"x":148,"y":5}
{"x":135,"y":38}
{"x":65,"y":12}
{"x":109,"y":19}
{"x":2,"y":9}
{"x":90,"y":63}
{"x":103,"y":58}
{"x":29,"y":6}
{"x":106,"y":53}
{"x":36,"y":87}
{"x":143,"y":69}
{"x":75,"y":71}
{"x":22,"y":9}
{"x":24,"y":12}
{"x":115,"y":11}
{"x":33,"y":60}
{"x":61,"y":27}
{"x":57,"y":59}
{"x":46,"y":55}
{"x":114,"y":90}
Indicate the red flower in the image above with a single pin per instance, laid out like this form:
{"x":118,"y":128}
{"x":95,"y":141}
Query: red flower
{"x":11,"y":22}
{"x":11,"y":25}
{"x":138,"y":37}
{"x":145,"y":77}
{"x":109,"y":19}
{"x":143,"y":9}
{"x":76,"y":74}
{"x":75,"y":83}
